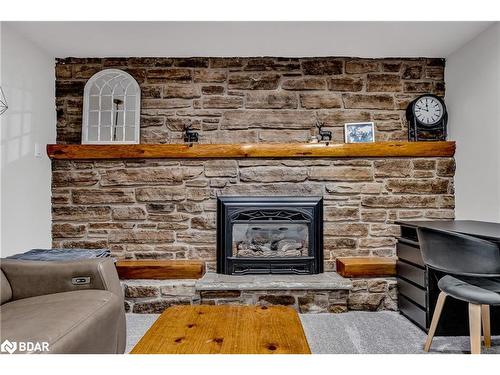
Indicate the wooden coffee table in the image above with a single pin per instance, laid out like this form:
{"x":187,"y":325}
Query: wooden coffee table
{"x":226,"y":329}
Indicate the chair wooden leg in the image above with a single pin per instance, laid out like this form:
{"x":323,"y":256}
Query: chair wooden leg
{"x":435,"y":320}
{"x":485,"y":316}
{"x":475,"y":328}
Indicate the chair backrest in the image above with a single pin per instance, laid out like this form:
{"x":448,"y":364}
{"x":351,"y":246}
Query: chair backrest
{"x":5,"y":289}
{"x":459,"y":254}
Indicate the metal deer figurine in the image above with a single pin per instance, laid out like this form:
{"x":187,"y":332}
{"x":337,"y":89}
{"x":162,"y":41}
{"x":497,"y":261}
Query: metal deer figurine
{"x":324,"y":135}
{"x":190,"y":136}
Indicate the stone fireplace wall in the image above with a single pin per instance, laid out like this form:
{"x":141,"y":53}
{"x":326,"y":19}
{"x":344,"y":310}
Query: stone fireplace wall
{"x":264,"y":99}
{"x":166,"y":208}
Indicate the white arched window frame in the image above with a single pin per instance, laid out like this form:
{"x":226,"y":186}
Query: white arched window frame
{"x":111,"y":108}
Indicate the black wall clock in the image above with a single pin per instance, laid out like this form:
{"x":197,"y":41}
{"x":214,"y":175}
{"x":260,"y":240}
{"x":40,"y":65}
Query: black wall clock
{"x":427,"y":118}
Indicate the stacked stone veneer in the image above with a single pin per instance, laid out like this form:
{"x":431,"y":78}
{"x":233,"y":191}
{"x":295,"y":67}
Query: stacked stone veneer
{"x":234,"y":100}
{"x":165,"y":209}
{"x":154,"y":296}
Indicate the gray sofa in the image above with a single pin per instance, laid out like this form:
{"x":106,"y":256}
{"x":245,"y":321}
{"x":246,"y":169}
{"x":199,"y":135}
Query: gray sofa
{"x":74,"y":306}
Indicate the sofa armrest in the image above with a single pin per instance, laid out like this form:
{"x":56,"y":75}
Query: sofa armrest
{"x":34,"y":278}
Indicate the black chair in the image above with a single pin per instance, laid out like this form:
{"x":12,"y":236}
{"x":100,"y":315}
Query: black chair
{"x":475,"y":266}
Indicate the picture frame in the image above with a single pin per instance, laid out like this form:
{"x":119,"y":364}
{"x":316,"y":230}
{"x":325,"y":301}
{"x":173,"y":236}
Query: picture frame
{"x":359,"y":132}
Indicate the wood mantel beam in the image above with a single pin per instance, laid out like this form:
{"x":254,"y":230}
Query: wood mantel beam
{"x":252,"y":150}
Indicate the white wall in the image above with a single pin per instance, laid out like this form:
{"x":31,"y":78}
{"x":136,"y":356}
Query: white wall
{"x":27,"y":78}
{"x":276,"y":38}
{"x":473,"y":100}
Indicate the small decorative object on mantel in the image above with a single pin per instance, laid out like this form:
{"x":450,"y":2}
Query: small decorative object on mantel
{"x":427,"y":118}
{"x":190,"y":136}
{"x":324,"y":135}
{"x":111,"y":108}
{"x":3,"y":102}
{"x":359,"y":132}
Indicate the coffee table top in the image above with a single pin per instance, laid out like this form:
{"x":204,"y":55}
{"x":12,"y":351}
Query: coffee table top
{"x":225,"y":329}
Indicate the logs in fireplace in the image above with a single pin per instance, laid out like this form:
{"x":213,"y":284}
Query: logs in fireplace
{"x":260,"y":235}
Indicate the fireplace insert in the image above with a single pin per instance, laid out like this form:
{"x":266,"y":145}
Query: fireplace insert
{"x":257,"y":235}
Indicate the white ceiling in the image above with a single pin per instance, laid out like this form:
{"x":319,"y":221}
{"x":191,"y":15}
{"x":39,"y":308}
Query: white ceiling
{"x":181,"y":39}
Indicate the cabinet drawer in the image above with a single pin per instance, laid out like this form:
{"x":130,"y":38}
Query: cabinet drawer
{"x":410,"y":272}
{"x":413,"y":312}
{"x":413,"y":292}
{"x":409,"y":233}
{"x":409,"y":253}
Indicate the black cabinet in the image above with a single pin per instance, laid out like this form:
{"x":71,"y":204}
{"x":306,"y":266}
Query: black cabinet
{"x":412,"y":282}
{"x":417,"y":284}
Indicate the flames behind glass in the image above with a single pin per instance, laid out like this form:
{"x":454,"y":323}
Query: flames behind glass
{"x":270,"y":240}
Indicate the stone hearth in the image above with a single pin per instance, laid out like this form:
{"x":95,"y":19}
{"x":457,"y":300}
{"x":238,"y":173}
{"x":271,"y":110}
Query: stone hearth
{"x":323,"y":281}
{"x":326,"y":292}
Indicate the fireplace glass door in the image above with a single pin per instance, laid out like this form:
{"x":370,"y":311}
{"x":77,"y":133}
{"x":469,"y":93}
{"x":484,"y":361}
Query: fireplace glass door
{"x":269,"y":235}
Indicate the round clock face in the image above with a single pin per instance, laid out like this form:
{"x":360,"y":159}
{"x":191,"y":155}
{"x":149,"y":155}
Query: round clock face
{"x":428,"y":110}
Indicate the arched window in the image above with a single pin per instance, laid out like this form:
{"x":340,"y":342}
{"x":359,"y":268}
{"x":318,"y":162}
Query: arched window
{"x":111,"y":108}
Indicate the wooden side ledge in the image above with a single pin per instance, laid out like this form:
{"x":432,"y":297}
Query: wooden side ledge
{"x":366,"y":266}
{"x":252,"y":150}
{"x":160,"y":269}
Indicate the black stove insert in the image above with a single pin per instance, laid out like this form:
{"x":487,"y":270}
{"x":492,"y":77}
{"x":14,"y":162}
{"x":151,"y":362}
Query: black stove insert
{"x":259,"y":235}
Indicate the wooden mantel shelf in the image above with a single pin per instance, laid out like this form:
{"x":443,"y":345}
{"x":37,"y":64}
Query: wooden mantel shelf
{"x":254,"y":150}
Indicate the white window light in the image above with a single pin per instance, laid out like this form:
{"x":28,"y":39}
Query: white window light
{"x":3,"y":102}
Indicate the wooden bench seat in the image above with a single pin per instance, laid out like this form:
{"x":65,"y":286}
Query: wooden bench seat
{"x":160,"y":269}
{"x":366,"y":266}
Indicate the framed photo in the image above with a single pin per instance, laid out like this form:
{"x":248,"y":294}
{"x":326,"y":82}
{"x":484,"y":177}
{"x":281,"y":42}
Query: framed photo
{"x":359,"y":132}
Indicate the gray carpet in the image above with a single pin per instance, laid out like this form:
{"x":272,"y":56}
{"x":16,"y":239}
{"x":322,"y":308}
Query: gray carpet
{"x":376,"y":333}
{"x":137,"y":325}
{"x":349,"y":333}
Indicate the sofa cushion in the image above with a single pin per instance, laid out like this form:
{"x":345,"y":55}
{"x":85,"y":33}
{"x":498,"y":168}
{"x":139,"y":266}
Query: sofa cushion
{"x":5,"y":289}
{"x":71,"y":322}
